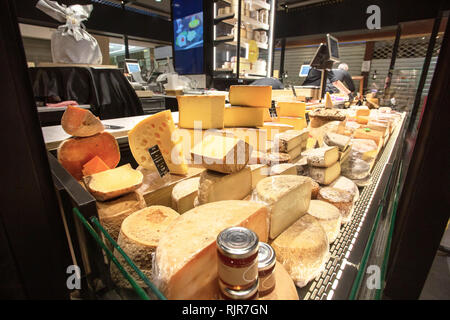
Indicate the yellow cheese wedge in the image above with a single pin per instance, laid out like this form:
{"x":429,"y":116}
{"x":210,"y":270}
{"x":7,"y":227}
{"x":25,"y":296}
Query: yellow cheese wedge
{"x":201,"y":112}
{"x":292,"y":109}
{"x":251,"y":96}
{"x":157,"y":129}
{"x":328,"y":101}
{"x":244,"y":117}
{"x":298,"y":123}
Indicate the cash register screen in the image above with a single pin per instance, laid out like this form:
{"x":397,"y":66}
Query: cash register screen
{"x":133,"y":67}
{"x":304,"y":70}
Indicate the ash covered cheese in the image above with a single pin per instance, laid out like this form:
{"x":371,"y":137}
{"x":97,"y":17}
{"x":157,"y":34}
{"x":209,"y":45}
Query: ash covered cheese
{"x":328,"y":216}
{"x":303,"y":249}
{"x":325,"y":175}
{"x":186,"y":256}
{"x":288,"y":198}
{"x":322,"y":157}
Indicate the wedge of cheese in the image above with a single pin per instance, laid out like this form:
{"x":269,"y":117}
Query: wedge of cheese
{"x":222,"y":154}
{"x":139,"y":237}
{"x":292,"y":109}
{"x":251,"y":96}
{"x":337,"y":140}
{"x":243,"y":117}
{"x":288,"y":198}
{"x":79,"y":122}
{"x":216,"y":186}
{"x":303,"y":249}
{"x":328,"y":101}
{"x":114,"y":182}
{"x":158,"y":129}
{"x":325,"y":175}
{"x":186,"y":256}
{"x":201,"y":112}
{"x":290,"y":139}
{"x":184,"y":194}
{"x":295,"y":152}
{"x":367,"y":133}
{"x":322,"y":157}
{"x":328,"y":216}
{"x":299,"y":123}
{"x":259,"y":172}
{"x":283,"y":169}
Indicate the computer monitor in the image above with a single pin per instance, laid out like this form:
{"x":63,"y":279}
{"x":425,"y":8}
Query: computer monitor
{"x":333,"y":48}
{"x":304,"y":70}
{"x":132,"y":67}
{"x":321,"y":57}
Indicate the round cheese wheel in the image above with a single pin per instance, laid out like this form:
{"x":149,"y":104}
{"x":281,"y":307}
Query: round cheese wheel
{"x":303,"y":249}
{"x":343,"y":183}
{"x":328,"y":216}
{"x":139,"y":236}
{"x":341,"y":199}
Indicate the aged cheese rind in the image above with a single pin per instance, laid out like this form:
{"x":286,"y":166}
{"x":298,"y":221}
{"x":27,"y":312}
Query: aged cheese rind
{"x":328,"y":216}
{"x":288,"y":198}
{"x":251,"y":96}
{"x":158,"y":129}
{"x":184,"y":194}
{"x":341,"y":199}
{"x":222,"y":154}
{"x":186,"y":258}
{"x":303,"y":249}
{"x":205,"y":111}
{"x":335,"y":139}
{"x":139,"y":237}
{"x":243,"y":117}
{"x":216,"y":186}
{"x":325,"y":175}
{"x":289,"y":139}
{"x":343,"y":183}
{"x":322,"y":157}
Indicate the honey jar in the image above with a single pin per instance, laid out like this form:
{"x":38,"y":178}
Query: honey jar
{"x":266,"y":266}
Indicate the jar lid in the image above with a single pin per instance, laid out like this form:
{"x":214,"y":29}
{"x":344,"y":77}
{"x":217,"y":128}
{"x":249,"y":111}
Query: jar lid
{"x":239,"y":294}
{"x":266,"y":256}
{"x":237,"y":242}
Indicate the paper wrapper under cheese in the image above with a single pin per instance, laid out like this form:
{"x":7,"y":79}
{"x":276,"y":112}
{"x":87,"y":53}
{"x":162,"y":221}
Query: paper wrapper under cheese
{"x":303,"y":249}
{"x":185,"y":264}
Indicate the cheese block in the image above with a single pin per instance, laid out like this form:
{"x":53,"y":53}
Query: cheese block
{"x":95,"y":165}
{"x":363,"y":112}
{"x":276,"y":158}
{"x":288,"y":198}
{"x":322,"y":157}
{"x":292,"y":109}
{"x":298,"y":123}
{"x":328,"y":216}
{"x":328,"y":101}
{"x":303,"y":249}
{"x":257,"y":138}
{"x":343,"y":183}
{"x":273,"y":128}
{"x":266,"y":115}
{"x":296,"y":152}
{"x":341,"y":199}
{"x":184,"y":193}
{"x":314,"y":188}
{"x":284,"y":286}
{"x":186,"y":257}
{"x":367,"y":133}
{"x":216,"y":186}
{"x":111,"y":213}
{"x":259,"y":172}
{"x":325,"y":175}
{"x":243,"y":117}
{"x":114,"y":182}
{"x":139,"y":237}
{"x":338,"y":140}
{"x":79,"y":122}
{"x":290,"y":139}
{"x":355,"y":169}
{"x":158,"y":129}
{"x":201,"y":112}
{"x":362,"y":119}
{"x":221,"y":154}
{"x":251,"y":96}
{"x":283,"y":168}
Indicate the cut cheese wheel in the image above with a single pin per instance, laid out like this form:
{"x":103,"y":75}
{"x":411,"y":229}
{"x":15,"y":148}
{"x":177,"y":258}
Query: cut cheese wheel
{"x":341,"y":199}
{"x":283,"y":169}
{"x":296,"y":152}
{"x":289,"y":140}
{"x":184,"y":194}
{"x":158,"y":129}
{"x":343,"y":183}
{"x":322,"y":157}
{"x":216,"y":186}
{"x":222,"y":154}
{"x":79,"y":122}
{"x":186,"y":257}
{"x":303,"y":249}
{"x":114,"y":182}
{"x":243,"y":117}
{"x":139,"y":237}
{"x":288,"y":198}
{"x":337,"y":140}
{"x":284,"y":286}
{"x":259,"y":172}
{"x":111,"y":213}
{"x":292,"y":109}
{"x":73,"y":153}
{"x":328,"y":216}
{"x":201,"y":112}
{"x":325,"y":175}
{"x":95,"y":165}
{"x":251,"y":96}
{"x":314,"y":188}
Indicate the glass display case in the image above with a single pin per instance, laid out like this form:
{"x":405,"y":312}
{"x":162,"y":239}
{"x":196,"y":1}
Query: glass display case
{"x":243,"y":33}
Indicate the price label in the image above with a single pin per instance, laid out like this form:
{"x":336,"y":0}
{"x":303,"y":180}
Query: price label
{"x":273,"y":110}
{"x":158,"y":160}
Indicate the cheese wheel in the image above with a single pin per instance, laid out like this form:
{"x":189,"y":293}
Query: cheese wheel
{"x":303,"y":249}
{"x":139,"y":237}
{"x":328,"y":216}
{"x":186,"y":257}
{"x":322,"y":157}
{"x":341,"y":199}
{"x":184,"y":194}
{"x":325,"y":175}
{"x":346,"y":184}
